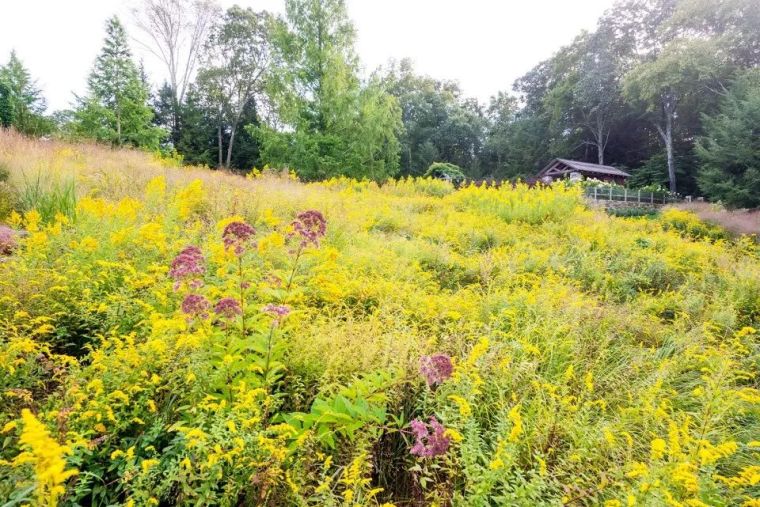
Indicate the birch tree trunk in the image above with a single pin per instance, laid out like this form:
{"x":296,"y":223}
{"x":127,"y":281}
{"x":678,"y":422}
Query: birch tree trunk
{"x":668,"y":112}
{"x":219,"y":144}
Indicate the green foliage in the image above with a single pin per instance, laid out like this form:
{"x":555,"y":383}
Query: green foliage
{"x":9,"y":199}
{"x":439,"y":123}
{"x":632,"y":212}
{"x":21,"y":102}
{"x":337,"y":125}
{"x":237,"y":57}
{"x":730,"y":149}
{"x":445,"y":171}
{"x":49,"y":198}
{"x":360,"y":404}
{"x":116,"y":110}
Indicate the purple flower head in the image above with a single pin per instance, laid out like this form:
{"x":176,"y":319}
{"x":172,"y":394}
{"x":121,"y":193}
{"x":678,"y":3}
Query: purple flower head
{"x":7,"y":240}
{"x":436,"y":368}
{"x":279,"y":312}
{"x":195,"y":305}
{"x":187,"y":264}
{"x":228,"y":308}
{"x":310,"y":225}
{"x":237,"y":235}
{"x":430,"y":439}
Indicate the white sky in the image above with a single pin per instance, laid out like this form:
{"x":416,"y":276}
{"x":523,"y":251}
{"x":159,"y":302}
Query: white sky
{"x":483,"y":44}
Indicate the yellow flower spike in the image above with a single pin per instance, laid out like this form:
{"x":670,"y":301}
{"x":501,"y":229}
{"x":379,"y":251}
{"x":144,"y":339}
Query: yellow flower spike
{"x":588,"y":381}
{"x":464,"y":406}
{"x":637,"y":470}
{"x":147,"y":464}
{"x":453,"y":435}
{"x":517,"y":426}
{"x":48,"y":458}
{"x":542,"y":470}
{"x":658,"y":448}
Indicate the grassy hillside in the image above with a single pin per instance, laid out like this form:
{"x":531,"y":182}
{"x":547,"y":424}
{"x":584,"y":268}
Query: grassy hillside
{"x":428,"y":346}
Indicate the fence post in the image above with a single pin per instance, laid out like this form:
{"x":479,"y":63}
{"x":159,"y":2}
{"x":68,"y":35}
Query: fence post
{"x":651,"y":197}
{"x":638,"y":196}
{"x":625,"y":194}
{"x":610,"y":193}
{"x":595,"y":193}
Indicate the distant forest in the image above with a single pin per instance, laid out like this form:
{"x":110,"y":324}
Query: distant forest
{"x":666,"y":89}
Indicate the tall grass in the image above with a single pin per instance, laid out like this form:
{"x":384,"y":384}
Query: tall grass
{"x":49,"y":198}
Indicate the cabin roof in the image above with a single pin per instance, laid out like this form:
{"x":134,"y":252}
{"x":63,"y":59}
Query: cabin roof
{"x":586,"y":167}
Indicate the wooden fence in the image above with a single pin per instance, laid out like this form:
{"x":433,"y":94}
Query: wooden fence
{"x":631,"y":196}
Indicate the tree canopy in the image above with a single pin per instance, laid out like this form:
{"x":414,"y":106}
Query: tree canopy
{"x":246,"y":89}
{"x":115,"y":109}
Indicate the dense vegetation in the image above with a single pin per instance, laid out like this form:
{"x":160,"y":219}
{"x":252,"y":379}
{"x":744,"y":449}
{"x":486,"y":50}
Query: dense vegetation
{"x":664,"y":88}
{"x":177,"y":336}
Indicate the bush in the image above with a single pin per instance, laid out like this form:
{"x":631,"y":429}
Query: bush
{"x":9,"y":200}
{"x":446,"y":171}
{"x":632,"y":212}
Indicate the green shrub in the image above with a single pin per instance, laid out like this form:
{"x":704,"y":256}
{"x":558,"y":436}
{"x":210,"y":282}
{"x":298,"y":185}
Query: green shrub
{"x":446,"y":171}
{"x":5,"y":173}
{"x":632,"y":212}
{"x":9,"y":199}
{"x":49,"y":200}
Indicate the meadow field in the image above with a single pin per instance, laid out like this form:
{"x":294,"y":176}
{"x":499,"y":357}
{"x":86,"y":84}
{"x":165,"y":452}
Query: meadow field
{"x":180,"y":336}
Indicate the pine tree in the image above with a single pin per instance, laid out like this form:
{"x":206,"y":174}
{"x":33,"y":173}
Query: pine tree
{"x":730,"y":148}
{"x":116,"y":109}
{"x":21,"y":102}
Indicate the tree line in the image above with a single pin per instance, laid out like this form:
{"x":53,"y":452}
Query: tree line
{"x":667,"y":89}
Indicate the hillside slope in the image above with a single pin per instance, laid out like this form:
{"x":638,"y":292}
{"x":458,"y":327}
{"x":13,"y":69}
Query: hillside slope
{"x":427,"y":346}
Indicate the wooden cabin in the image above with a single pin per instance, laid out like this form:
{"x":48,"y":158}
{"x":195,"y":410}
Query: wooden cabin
{"x":561,"y":168}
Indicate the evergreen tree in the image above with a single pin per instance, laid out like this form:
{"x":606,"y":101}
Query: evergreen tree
{"x":21,"y":102}
{"x":197,"y":140}
{"x":115,"y":109}
{"x":730,"y":149}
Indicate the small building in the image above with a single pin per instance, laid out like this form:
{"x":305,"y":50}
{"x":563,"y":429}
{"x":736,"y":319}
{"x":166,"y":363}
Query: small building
{"x":561,"y":168}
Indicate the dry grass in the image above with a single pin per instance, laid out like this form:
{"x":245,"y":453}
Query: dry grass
{"x":112,"y":173}
{"x":734,"y":221}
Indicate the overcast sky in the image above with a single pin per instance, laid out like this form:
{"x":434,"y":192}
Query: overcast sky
{"x":483,"y":44}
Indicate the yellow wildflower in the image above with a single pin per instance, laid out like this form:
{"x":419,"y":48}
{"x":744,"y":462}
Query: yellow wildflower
{"x":147,"y":464}
{"x":48,"y":458}
{"x":517,"y":426}
{"x":464,"y":406}
{"x":658,"y":448}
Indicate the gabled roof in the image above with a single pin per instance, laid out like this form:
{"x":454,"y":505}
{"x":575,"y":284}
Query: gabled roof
{"x":586,"y":167}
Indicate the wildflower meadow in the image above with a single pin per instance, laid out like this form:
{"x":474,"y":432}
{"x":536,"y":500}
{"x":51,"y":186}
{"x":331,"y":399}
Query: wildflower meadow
{"x":180,"y":336}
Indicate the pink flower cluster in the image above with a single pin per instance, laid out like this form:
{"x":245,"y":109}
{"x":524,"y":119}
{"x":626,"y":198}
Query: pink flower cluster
{"x":188,"y":264}
{"x":196,"y":305}
{"x":310,"y":226}
{"x":228,"y":308}
{"x":436,"y":368}
{"x":237,"y":235}
{"x":279,"y":312}
{"x":7,"y":240}
{"x":430,"y":438}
